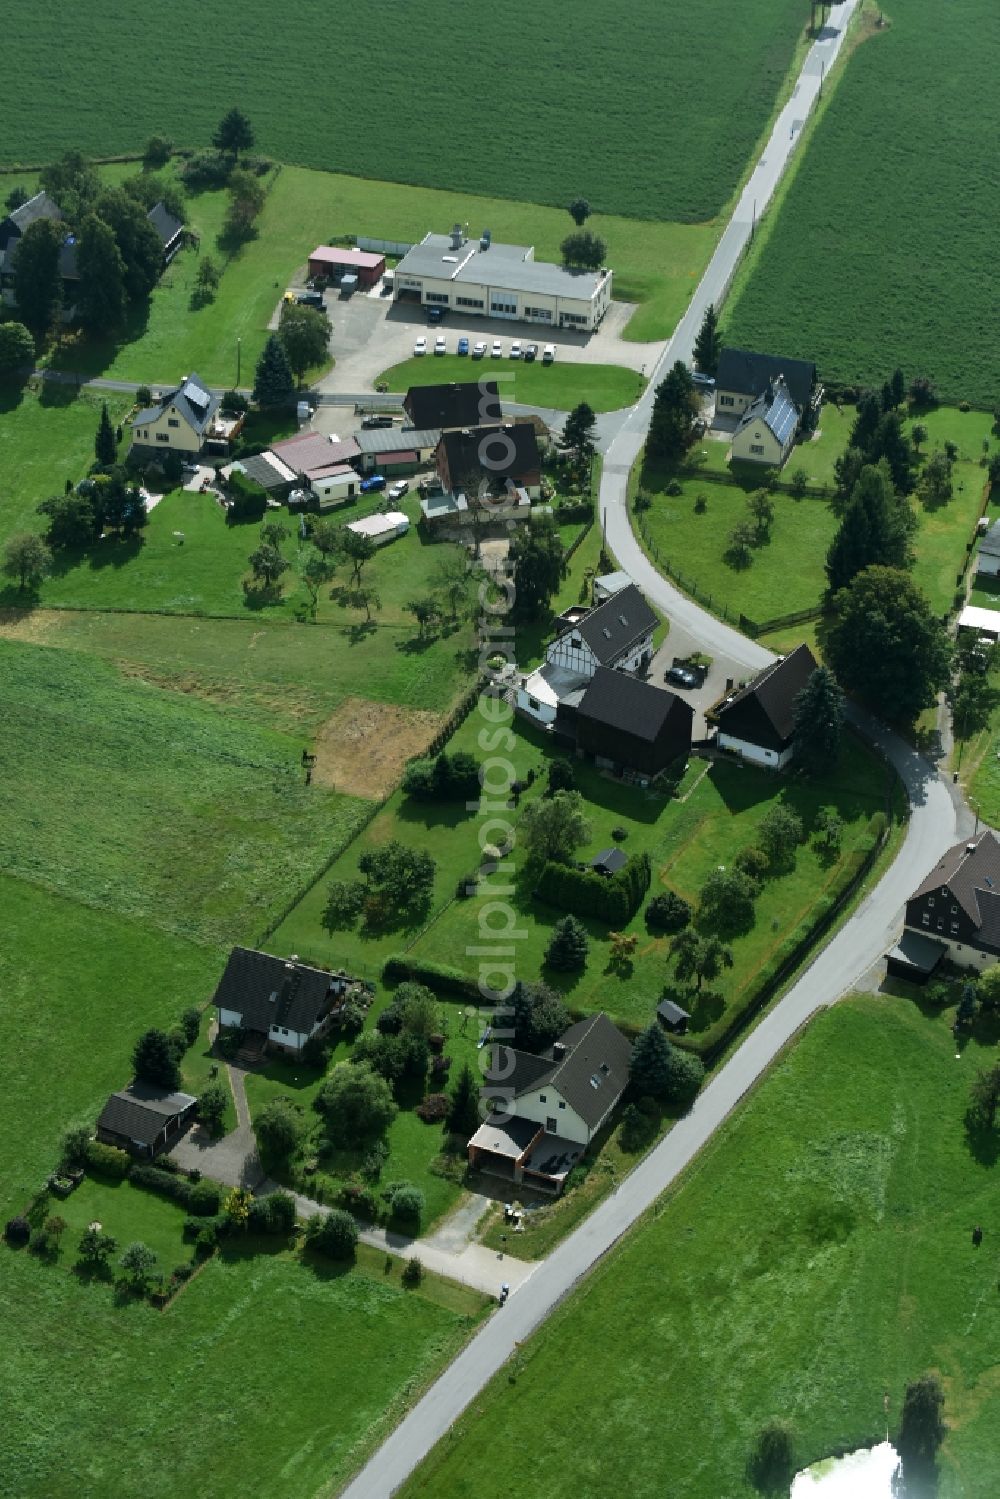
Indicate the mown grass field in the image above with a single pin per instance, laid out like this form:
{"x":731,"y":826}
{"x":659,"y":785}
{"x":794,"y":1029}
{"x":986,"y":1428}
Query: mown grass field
{"x":245,"y":1370}
{"x":909,"y":279}
{"x":685,"y":102}
{"x":604,"y":387}
{"x":816,"y":1256}
{"x":787,"y":571}
{"x":139,"y":801}
{"x":685,"y":840}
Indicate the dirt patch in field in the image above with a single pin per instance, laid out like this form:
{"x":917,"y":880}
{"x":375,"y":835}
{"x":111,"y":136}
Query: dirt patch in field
{"x":32,"y":625}
{"x":363,"y":747}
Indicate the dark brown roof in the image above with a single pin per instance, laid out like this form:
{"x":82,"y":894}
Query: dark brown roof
{"x":470,"y":404}
{"x":617,"y":699}
{"x":762,"y":712}
{"x":614,"y":627}
{"x":140,"y":1111}
{"x":268,"y":991}
{"x":972,"y":879}
{"x":590,"y":1076}
{"x":498,"y":453}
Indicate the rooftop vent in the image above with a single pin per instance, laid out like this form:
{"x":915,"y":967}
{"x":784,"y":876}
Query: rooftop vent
{"x":486,"y":239}
{"x":558,"y":1051}
{"x":456,"y":236}
{"x":622,"y":620}
{"x":607,"y":633}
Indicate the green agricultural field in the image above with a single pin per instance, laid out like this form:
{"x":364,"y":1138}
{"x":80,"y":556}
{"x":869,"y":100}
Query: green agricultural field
{"x":903,"y":284}
{"x":689,"y":102}
{"x":78,"y":986}
{"x":604,"y":387}
{"x":815,"y":1257}
{"x":685,"y":839}
{"x":787,"y":571}
{"x":237,"y":1376}
{"x":139,"y":801}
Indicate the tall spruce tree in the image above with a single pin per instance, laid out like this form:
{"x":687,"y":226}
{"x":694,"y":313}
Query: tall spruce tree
{"x":875,"y":529}
{"x":650,"y":1072}
{"x":674,"y":407}
{"x":708,"y":344}
{"x":866,"y":421}
{"x":273,"y":383}
{"x":105,"y":447}
{"x":36,"y":270}
{"x":568,"y":947}
{"x":580,"y":432}
{"x":463,"y":1111}
{"x":898,"y":383}
{"x":818,"y":716}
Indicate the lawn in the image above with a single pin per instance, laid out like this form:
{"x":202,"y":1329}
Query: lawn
{"x":685,"y":840}
{"x":915,"y":289}
{"x":79,"y":985}
{"x":136,"y":800}
{"x":816,"y":1256}
{"x":787,"y":572}
{"x":246,"y":1369}
{"x":604,"y":387}
{"x":688,"y":103}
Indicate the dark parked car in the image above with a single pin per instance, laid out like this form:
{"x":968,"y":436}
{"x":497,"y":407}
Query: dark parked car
{"x":435,"y":314}
{"x":681,"y":676}
{"x":530,"y":353}
{"x":373,"y":482}
{"x":310,"y":299}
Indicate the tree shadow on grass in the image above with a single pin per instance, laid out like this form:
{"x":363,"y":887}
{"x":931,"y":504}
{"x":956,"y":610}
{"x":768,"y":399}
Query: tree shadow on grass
{"x":983,"y":1141}
{"x":58,"y":393}
{"x":11,"y":395}
{"x":324,"y":1268}
{"x":114,"y":551}
{"x":19,"y":601}
{"x":706,"y":1008}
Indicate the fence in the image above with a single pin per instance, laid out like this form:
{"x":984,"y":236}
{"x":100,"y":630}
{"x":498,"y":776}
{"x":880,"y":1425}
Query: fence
{"x":711,"y":601}
{"x":381,"y":246}
{"x":755,"y":627}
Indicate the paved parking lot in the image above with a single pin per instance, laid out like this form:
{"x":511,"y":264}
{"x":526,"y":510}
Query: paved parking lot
{"x":677,"y":646}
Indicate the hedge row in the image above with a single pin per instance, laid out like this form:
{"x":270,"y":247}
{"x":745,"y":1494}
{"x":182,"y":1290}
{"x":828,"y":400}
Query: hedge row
{"x":612,"y":898}
{"x":200,"y":1198}
{"x":108,"y":1160}
{"x":443,"y":979}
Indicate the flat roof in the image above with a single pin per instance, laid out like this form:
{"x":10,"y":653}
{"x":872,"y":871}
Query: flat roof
{"x":506,"y":1134}
{"x":973,"y":617}
{"x":552,"y":685}
{"x":331,"y":255}
{"x":918,"y":951}
{"x":506,"y":267}
{"x":377,"y":525}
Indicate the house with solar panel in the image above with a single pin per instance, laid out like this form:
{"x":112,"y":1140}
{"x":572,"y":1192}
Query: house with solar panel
{"x":767,"y":429}
{"x":184,"y":420}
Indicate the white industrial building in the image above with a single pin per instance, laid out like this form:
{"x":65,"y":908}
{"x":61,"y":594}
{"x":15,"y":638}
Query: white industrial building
{"x":482,"y":278}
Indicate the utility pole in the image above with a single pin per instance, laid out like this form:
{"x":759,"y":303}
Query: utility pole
{"x":239,"y":342}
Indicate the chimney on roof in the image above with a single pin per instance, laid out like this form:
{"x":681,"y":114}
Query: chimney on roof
{"x":558,"y":1050}
{"x":486,"y":239}
{"x":456,"y":236}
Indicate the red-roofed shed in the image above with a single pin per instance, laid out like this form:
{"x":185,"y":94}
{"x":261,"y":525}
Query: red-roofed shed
{"x":329,"y":261}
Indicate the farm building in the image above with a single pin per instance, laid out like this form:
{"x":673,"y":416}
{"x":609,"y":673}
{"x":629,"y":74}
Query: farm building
{"x":988,"y":558}
{"x":482,"y":278}
{"x":381,"y":528}
{"x":766,"y":433}
{"x":447,"y":407}
{"x":144,"y":1119}
{"x":630,"y":726}
{"x":327,"y":262}
{"x":551,"y":1106}
{"x":757,"y":722}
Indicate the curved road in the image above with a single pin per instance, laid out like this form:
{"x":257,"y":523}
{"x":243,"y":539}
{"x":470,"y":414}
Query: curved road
{"x":936,"y":822}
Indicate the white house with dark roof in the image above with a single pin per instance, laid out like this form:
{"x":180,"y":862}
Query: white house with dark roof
{"x":766,"y":432}
{"x":548,"y":1108}
{"x":757,"y":721}
{"x":618,"y":634}
{"x":278,"y":1001}
{"x":181,"y":421}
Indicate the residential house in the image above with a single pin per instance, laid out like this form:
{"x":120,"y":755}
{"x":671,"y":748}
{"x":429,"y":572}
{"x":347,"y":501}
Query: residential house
{"x":169,"y":228}
{"x":279,"y":1002}
{"x":321,"y":466}
{"x":331,"y":263}
{"x":185,"y":420}
{"x":472,"y":403}
{"x":743,"y":377}
{"x":954,"y":913}
{"x":13,"y":227}
{"x":756,"y":722}
{"x":490,"y":459}
{"x":483,"y":278}
{"x":548,"y":1108}
{"x":631,"y":727}
{"x":988,"y":556}
{"x":766,"y":433}
{"x":144,"y":1119}
{"x":618,"y":634}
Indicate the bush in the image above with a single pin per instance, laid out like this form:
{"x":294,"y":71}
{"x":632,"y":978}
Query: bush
{"x":17,"y":1232}
{"x":614,"y":900}
{"x":235,"y":403}
{"x":359,"y":1200}
{"x":155,"y":1179}
{"x":195,"y":1227}
{"x":674,"y":489}
{"x":203,"y":1199}
{"x":390,"y":1022}
{"x":413,"y":1273}
{"x":316,"y":1052}
{"x":191,"y":1024}
{"x":753,"y":862}
{"x":334,"y":1234}
{"x":440,"y":1067}
{"x":273,"y":1214}
{"x":406,"y":1202}
{"x":562,"y":776}
{"x":74,"y":1147}
{"x":668,"y":913}
{"x":638,"y":1129}
{"x":278,"y":1127}
{"x":107,"y":1160}
{"x":206,"y":169}
{"x":437,"y":976}
{"x":144,"y":396}
{"x":434,"y":1108}
{"x":248,"y":499}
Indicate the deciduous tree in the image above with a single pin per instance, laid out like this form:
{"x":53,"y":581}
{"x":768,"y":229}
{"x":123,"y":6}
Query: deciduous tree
{"x":28,"y":559}
{"x":584,"y":249}
{"x":356,"y":1104}
{"x":101,"y":296}
{"x":17,"y":350}
{"x":138,"y":1263}
{"x":537,"y":1016}
{"x":554,"y":827}
{"x":884,"y":643}
{"x":334,"y":1234}
{"x":579,"y":211}
{"x":37,"y":277}
{"x":538,"y":560}
{"x":699,"y":957}
{"x":278,"y":1127}
{"x":305,"y":334}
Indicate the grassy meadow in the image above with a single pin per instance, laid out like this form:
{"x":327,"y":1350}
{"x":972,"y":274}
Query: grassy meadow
{"x":604,"y":387}
{"x":694,"y":100}
{"x":908,"y":278}
{"x":815,"y":1256}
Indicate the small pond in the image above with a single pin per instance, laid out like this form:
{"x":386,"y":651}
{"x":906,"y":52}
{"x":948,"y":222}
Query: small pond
{"x":865,"y":1474}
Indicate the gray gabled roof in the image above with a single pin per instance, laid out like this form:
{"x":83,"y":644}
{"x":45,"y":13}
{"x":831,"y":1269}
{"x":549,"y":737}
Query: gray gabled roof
{"x":166,"y":226}
{"x":267,"y":991}
{"x":971,"y":875}
{"x":396,"y":439}
{"x":140,"y":1111}
{"x":990,"y":544}
{"x":41,"y":206}
{"x":193,"y":401}
{"x":590,"y":1076}
{"x":614,"y":627}
{"x":750,"y":374}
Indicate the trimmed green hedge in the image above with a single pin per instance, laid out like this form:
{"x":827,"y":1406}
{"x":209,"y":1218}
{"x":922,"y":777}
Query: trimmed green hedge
{"x":200,"y":1198}
{"x":437,"y":976}
{"x":108,"y":1160}
{"x":612,"y":898}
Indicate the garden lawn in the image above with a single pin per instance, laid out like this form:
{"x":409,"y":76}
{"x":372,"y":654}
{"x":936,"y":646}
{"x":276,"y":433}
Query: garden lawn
{"x":603,"y":386}
{"x":689,"y":103}
{"x":904,"y":288}
{"x":133,"y":799}
{"x":685,"y":840}
{"x":79,"y":986}
{"x":816,"y":1256}
{"x":127,"y":1213}
{"x":183,"y":1397}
